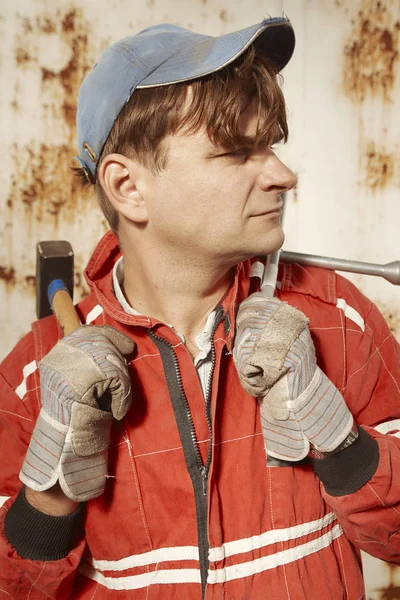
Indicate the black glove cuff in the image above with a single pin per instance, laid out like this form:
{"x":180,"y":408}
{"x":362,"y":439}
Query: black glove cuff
{"x":349,"y":470}
{"x":38,"y":536}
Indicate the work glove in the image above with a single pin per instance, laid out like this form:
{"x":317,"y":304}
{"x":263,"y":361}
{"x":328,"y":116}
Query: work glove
{"x":274,"y":355}
{"x":84,"y":383}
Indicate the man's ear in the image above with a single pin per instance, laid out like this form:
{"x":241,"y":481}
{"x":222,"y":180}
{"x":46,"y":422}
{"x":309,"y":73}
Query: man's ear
{"x":122,"y":179}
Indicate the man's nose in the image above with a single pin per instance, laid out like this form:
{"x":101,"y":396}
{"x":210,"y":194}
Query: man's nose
{"x":276,"y":176}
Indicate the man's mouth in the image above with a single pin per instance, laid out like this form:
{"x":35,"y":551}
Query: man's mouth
{"x":273,"y":212}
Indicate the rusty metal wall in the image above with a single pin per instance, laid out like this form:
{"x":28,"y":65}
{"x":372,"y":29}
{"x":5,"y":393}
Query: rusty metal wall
{"x":342,"y":89}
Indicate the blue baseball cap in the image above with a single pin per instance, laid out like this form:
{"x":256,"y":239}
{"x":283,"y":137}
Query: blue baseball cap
{"x":163,"y":55}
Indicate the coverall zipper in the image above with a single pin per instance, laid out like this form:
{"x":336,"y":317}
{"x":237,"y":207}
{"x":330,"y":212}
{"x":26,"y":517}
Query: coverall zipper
{"x":201,"y":471}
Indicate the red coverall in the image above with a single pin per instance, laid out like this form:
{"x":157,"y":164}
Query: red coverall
{"x":180,"y":521}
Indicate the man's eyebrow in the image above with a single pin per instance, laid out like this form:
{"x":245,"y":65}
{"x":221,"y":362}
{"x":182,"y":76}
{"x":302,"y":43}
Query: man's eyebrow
{"x":249,"y":143}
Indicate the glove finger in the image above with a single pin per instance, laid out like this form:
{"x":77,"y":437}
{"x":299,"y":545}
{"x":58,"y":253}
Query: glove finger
{"x":88,"y":334}
{"x":256,"y":377}
{"x":57,"y":395}
{"x":121,"y":341}
{"x":259,"y":306}
{"x":117,"y":388}
{"x":121,"y":404}
{"x":77,"y":364}
{"x":266,"y":329}
{"x":112,"y":394}
{"x":250,"y":374}
{"x":277,"y":337}
{"x":255,"y":386}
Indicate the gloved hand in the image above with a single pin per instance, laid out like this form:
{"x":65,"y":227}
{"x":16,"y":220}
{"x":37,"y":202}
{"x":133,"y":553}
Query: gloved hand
{"x":275,"y":358}
{"x":84,"y":383}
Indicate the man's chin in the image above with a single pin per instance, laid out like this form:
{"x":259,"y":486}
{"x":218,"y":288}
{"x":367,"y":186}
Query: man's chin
{"x":273,"y":241}
{"x":257,"y":247}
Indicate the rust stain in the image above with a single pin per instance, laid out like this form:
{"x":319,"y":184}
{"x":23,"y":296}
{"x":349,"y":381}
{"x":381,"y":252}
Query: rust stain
{"x":392,"y":318}
{"x":47,"y":25}
{"x":47,"y":74}
{"x":26,"y":25}
{"x":43,"y":181}
{"x":379,"y":167}
{"x":27,"y":285}
{"x":342,"y":4}
{"x":7,"y":274}
{"x":73,"y":30}
{"x":223,"y":15}
{"x":390,"y":593}
{"x":71,"y":77}
{"x":30,"y":281}
{"x":22,"y":57}
{"x":44,"y":184}
{"x":81,"y":288}
{"x":372,"y":52}
{"x":68,"y":22}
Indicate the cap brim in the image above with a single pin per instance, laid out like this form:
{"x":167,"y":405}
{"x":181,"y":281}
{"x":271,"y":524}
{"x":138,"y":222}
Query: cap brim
{"x":205,"y":55}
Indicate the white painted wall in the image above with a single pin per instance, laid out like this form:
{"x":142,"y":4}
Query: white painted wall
{"x":344,"y":142}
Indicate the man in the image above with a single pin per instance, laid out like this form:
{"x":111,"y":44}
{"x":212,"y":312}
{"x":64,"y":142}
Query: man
{"x":178,"y":449}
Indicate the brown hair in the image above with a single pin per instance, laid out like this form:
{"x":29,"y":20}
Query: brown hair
{"x":218,"y":101}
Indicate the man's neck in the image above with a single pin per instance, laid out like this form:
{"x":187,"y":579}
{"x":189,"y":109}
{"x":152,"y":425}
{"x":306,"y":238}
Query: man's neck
{"x":181,"y":294}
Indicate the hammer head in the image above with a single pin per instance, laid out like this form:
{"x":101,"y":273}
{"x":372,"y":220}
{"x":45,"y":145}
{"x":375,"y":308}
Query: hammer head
{"x":54,"y":260}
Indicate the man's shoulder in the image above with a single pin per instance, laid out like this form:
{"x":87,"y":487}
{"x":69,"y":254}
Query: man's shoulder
{"x":323,"y":285}
{"x":328,"y":299}
{"x":45,"y":332}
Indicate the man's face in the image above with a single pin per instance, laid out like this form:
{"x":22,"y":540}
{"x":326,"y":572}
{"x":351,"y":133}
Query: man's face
{"x":217,"y":206}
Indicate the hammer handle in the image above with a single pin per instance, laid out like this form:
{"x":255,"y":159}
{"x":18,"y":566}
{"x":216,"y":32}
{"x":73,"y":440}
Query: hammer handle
{"x":65,"y":312}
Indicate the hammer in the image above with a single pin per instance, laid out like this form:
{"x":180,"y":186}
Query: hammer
{"x":55,"y":289}
{"x":55,"y":283}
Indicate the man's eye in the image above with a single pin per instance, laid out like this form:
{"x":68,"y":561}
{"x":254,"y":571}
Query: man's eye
{"x":242,"y":156}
